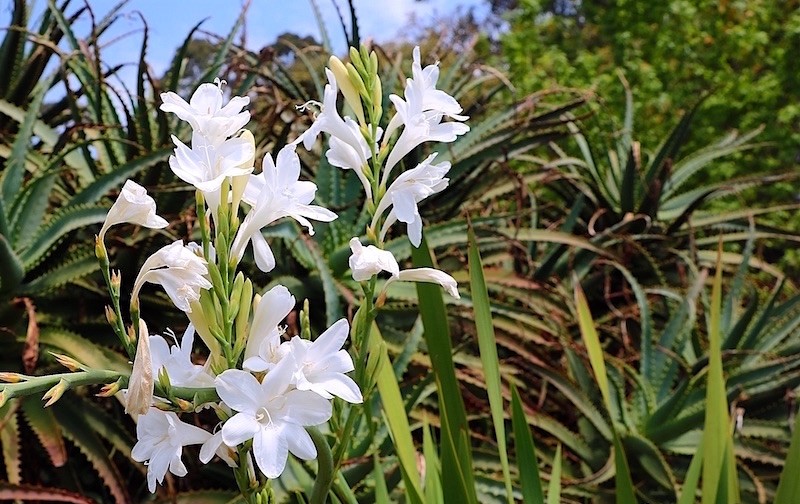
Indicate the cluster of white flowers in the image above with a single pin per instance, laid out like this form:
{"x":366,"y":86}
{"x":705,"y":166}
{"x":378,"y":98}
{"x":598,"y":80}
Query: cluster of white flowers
{"x":270,"y":388}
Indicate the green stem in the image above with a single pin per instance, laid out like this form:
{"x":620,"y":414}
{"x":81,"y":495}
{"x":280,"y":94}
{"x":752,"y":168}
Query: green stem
{"x":35,"y":384}
{"x":29,"y":385}
{"x":325,"y":471}
{"x":119,"y":325}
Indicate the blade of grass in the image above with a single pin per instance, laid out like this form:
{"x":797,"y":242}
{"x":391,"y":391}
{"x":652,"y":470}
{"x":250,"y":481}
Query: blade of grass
{"x":717,"y":457}
{"x":554,"y":488}
{"x":487,"y":345}
{"x":459,"y":486}
{"x":625,"y":493}
{"x":689,"y":491}
{"x":433,"y":481}
{"x":394,"y":412}
{"x":789,"y":484}
{"x":526,"y":453}
{"x":381,"y":492}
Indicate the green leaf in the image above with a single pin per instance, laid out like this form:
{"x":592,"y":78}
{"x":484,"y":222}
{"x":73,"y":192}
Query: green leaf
{"x":526,"y":453}
{"x":689,"y":491}
{"x":487,"y":344}
{"x":9,"y":439}
{"x":395,"y":414}
{"x":14,"y":170}
{"x":68,"y":271}
{"x":625,"y":493}
{"x":554,"y":488}
{"x":433,"y":479}
{"x":31,"y":210}
{"x":65,"y":221}
{"x":87,"y":441}
{"x":381,"y":492}
{"x":11,"y":269}
{"x":102,"y":185}
{"x":459,"y":485}
{"x":719,"y":466}
{"x":43,"y":423}
{"x":789,"y":483}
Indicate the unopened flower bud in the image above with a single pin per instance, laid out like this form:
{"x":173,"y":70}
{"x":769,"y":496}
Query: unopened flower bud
{"x":346,"y":86}
{"x":110,"y":389}
{"x":3,"y":398}
{"x":184,"y":405}
{"x":111,"y":316}
{"x":55,"y":393}
{"x":358,"y":82}
{"x":68,"y":362}
{"x":100,"y":250}
{"x":164,"y":382}
{"x":131,"y":335}
{"x":11,"y":377}
{"x":116,"y":282}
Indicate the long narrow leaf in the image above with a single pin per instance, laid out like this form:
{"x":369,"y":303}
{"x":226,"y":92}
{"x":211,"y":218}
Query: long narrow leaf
{"x":459,"y":485}
{"x":488,"y":350}
{"x":526,"y":453}
{"x":395,"y":414}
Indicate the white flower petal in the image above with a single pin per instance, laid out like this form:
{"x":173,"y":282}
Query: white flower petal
{"x":271,"y":449}
{"x":239,"y":390}
{"x":300,"y":443}
{"x":239,"y":428}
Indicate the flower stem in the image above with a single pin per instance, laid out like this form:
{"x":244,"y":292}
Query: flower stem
{"x":325,"y":468}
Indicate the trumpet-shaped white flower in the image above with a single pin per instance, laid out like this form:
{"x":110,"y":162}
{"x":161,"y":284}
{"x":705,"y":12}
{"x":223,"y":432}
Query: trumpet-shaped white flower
{"x":135,"y":206}
{"x":370,"y":260}
{"x":161,"y":437}
{"x":263,"y":349}
{"x":206,"y":113}
{"x":348,"y":148}
{"x":365,"y":262}
{"x":179,"y":271}
{"x":411,"y":187}
{"x":271,"y":415}
{"x":139,"y":394}
{"x":274,"y":193}
{"x":206,"y":164}
{"x":422,"y":85}
{"x":429,"y":275}
{"x":320,"y":365}
{"x":177,"y":361}
{"x":421,"y":114}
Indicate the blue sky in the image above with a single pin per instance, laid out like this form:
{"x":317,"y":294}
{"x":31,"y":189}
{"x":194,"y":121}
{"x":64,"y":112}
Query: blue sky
{"x":169,"y":21}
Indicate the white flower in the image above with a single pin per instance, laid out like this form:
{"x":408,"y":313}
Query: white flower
{"x":133,"y":205}
{"x":161,"y":437}
{"x":215,"y":446}
{"x":263,"y":345}
{"x":177,"y":361}
{"x":271,"y":415}
{"x":348,"y":148}
{"x":274,"y":193}
{"x":205,"y":111}
{"x":139,"y":395}
{"x":370,"y":260}
{"x":320,"y":365}
{"x":421,"y":114}
{"x":176,"y":268}
{"x":411,"y":187}
{"x":430,"y":275}
{"x":423,"y":83}
{"x":206,"y":164}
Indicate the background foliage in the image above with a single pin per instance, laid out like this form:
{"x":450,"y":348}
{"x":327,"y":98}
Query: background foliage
{"x":582,"y":223}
